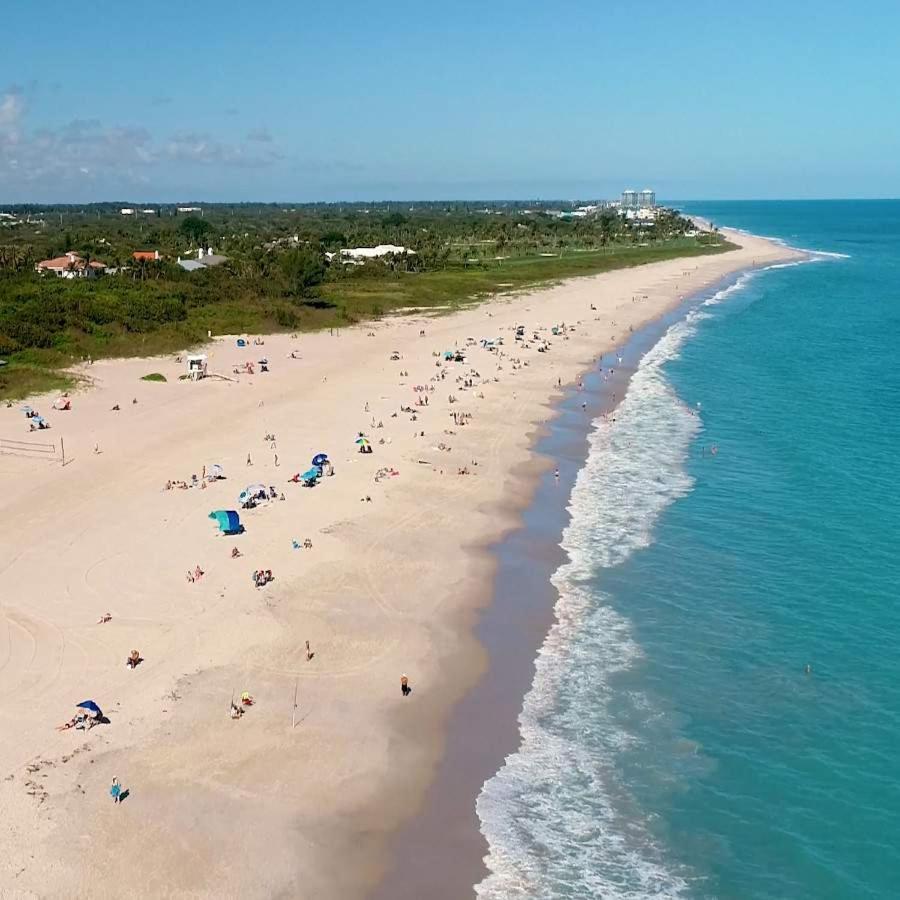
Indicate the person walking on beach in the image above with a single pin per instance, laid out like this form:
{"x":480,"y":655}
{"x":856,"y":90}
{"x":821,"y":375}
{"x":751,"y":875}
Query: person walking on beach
{"x":115,"y":790}
{"x":405,"y":689}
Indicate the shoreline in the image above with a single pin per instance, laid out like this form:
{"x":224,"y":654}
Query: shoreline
{"x":392,"y":586}
{"x":483,"y":727}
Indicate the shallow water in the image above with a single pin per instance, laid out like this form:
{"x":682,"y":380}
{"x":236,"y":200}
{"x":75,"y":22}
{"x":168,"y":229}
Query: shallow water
{"x":673,"y":745}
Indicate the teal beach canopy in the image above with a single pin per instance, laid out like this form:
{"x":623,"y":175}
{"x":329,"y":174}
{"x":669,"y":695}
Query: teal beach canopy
{"x":228,"y":520}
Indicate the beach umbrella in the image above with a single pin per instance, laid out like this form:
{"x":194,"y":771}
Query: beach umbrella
{"x":216,"y":471}
{"x":362,"y":441}
{"x":320,"y":459}
{"x":90,"y":706}
{"x":251,"y":491}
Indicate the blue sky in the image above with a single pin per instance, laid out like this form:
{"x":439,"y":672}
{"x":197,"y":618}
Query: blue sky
{"x":493,"y":99}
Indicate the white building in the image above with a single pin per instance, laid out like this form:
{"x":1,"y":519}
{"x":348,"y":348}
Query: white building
{"x":629,"y":199}
{"x":375,"y":252}
{"x":127,"y":211}
{"x":647,"y":199}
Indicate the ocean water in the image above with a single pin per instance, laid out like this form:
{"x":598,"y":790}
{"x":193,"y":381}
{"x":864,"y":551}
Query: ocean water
{"x":673,"y":744}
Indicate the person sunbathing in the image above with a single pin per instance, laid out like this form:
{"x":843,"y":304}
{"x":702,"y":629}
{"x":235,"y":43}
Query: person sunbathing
{"x":104,"y":618}
{"x":134,"y":659}
{"x":246,"y":699}
{"x":235,"y":553}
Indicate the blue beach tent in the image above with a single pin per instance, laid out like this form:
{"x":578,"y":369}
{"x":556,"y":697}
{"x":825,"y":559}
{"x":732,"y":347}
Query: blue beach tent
{"x":228,"y":520}
{"x":311,"y":476}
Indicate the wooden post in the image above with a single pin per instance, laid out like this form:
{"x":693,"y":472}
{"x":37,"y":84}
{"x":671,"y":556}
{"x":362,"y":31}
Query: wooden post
{"x":294,"y":711}
{"x":62,"y":447}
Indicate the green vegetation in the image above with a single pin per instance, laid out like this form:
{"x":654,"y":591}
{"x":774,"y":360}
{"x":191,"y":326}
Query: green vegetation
{"x":154,"y":376}
{"x":284,"y":271}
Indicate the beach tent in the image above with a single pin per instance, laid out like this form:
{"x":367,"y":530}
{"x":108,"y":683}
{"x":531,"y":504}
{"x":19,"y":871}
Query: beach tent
{"x":215,"y":472}
{"x":320,"y":459}
{"x":228,"y":520}
{"x":448,"y":354}
{"x":62,"y":403}
{"x":241,"y":342}
{"x":310,"y":476}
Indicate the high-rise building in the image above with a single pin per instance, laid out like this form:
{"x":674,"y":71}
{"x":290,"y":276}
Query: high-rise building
{"x":629,"y":199}
{"x":647,"y":199}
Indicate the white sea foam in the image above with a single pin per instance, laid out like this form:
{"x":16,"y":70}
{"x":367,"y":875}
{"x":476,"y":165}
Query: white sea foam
{"x":816,"y":254}
{"x":559,"y":823}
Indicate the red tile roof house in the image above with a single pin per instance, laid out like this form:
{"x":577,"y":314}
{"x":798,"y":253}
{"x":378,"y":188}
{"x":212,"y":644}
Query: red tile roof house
{"x":71,"y":266}
{"x":150,"y":255}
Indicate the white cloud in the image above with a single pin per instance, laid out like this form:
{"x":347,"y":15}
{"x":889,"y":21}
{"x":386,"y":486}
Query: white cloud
{"x":199,"y":147}
{"x":88,"y":148}
{"x":12,"y":108}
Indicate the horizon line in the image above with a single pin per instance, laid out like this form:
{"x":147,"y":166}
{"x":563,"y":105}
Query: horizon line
{"x":495,"y":200}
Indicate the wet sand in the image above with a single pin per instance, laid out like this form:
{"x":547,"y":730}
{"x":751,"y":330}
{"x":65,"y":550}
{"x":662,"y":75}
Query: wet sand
{"x":444,"y":837}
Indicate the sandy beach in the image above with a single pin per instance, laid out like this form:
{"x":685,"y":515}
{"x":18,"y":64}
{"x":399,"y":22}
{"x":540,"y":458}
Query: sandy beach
{"x":285,"y":801}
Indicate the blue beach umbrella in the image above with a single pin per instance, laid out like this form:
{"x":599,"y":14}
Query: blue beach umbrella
{"x":90,"y":706}
{"x":320,"y":459}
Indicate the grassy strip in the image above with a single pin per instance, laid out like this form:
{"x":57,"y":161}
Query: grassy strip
{"x":348,"y":300}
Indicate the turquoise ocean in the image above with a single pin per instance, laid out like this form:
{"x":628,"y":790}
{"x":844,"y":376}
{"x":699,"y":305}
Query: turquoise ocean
{"x":673,"y":743}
